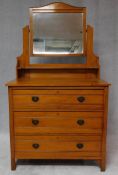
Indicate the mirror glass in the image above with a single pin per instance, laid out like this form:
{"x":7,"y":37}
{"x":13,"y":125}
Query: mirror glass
{"x":57,"y":33}
{"x":58,"y":60}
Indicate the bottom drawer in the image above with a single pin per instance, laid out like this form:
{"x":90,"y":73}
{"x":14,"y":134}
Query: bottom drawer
{"x":57,"y":146}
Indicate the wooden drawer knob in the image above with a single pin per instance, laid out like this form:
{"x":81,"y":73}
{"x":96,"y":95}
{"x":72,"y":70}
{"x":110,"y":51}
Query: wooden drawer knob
{"x":35,"y":145}
{"x":80,"y":145}
{"x":35,"y":98}
{"x":80,"y":122}
{"x":35,"y":121}
{"x":81,"y":99}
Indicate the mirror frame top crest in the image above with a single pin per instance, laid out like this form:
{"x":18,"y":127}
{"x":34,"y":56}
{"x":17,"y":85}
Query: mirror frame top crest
{"x":58,"y":8}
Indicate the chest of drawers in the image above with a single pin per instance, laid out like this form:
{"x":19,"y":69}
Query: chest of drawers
{"x":58,"y":122}
{"x":58,"y":103}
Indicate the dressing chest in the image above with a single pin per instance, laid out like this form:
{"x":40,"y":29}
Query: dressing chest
{"x":58,"y":103}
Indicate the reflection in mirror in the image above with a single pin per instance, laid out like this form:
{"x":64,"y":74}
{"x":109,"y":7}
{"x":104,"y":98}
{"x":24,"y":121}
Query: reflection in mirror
{"x":57,"y":33}
{"x":58,"y":60}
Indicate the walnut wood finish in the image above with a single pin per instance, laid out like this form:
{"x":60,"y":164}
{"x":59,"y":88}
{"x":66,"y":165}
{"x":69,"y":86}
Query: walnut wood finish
{"x":58,"y":111}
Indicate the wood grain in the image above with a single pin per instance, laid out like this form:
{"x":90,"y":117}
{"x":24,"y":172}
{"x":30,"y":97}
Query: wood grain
{"x":65,"y":122}
{"x":12,"y":133}
{"x":59,"y":155}
{"x":56,"y":146}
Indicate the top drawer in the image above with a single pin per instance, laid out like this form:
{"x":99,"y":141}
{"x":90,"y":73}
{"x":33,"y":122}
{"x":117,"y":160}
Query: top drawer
{"x":52,"y":100}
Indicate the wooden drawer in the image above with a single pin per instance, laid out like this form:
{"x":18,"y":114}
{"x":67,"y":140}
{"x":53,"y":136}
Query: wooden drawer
{"x":37,"y":122}
{"x":65,"y":100}
{"x":58,"y":147}
{"x":58,"y":144}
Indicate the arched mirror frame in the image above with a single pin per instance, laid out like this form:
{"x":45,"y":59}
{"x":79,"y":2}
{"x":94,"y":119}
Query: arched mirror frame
{"x":58,"y":8}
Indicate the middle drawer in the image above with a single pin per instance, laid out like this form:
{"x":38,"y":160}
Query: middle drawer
{"x":58,"y":122}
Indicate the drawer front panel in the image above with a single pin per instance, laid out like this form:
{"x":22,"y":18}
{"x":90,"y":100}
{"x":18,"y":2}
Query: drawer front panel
{"x":67,"y":120}
{"x":37,"y":145}
{"x":24,"y":100}
{"x":30,"y":123}
{"x":58,"y":102}
{"x":75,"y":122}
{"x":51,"y":149}
{"x":66,"y":145}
